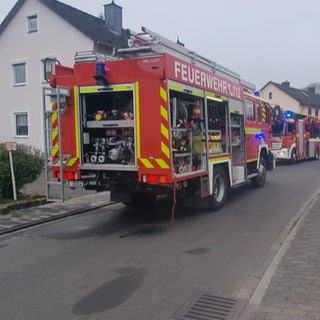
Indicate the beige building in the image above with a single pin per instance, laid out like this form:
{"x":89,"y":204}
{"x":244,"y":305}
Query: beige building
{"x":297,"y":100}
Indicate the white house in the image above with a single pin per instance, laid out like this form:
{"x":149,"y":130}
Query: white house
{"x":304,"y":101}
{"x":32,"y":31}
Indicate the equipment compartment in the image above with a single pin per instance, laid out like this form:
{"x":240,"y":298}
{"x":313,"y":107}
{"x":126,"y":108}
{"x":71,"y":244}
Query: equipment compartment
{"x":108,"y":127}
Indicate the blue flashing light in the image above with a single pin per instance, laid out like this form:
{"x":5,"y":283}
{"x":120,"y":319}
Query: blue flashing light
{"x":289,"y":115}
{"x":260,"y":136}
{"x":100,"y":68}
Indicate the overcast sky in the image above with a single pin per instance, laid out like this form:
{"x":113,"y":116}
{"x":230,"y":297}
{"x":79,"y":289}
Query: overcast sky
{"x":274,"y":40}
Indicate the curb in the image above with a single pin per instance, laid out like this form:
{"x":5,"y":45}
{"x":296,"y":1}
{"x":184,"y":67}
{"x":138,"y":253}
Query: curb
{"x":55,"y":217}
{"x":21,"y":204}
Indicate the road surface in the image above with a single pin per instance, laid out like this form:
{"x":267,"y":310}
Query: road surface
{"x":120,"y":264}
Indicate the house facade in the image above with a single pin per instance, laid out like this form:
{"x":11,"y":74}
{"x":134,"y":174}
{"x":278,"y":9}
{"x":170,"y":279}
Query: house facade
{"x":297,"y":100}
{"x":33,"y":31}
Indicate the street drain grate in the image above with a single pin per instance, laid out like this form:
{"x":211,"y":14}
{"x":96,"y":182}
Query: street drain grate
{"x":205,"y":306}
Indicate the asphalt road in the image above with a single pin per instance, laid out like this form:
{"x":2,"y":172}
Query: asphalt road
{"x":116,"y":263}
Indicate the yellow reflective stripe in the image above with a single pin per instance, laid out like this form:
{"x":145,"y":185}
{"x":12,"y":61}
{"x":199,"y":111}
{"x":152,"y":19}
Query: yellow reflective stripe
{"x":120,"y":87}
{"x":55,"y":150}
{"x":54,"y":133}
{"x":71,"y":161}
{"x":263,"y":114}
{"x":164,"y":113}
{"x":220,"y":159}
{"x":252,"y":130}
{"x":147,"y":163}
{"x":162,"y":163}
{"x":54,"y":116}
{"x":252,"y":160}
{"x":137,"y":117}
{"x":175,"y":87}
{"x":164,"y":131}
{"x":88,"y":89}
{"x":165,"y":149}
{"x":198,"y":93}
{"x":215,"y":97}
{"x":76,"y":121}
{"x":163,"y":94}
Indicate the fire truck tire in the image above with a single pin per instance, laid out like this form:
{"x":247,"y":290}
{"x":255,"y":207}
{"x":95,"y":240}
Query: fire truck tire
{"x":293,"y":158}
{"x":220,"y":189}
{"x":260,"y":179}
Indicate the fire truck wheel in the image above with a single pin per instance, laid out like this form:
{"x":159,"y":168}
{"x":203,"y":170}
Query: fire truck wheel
{"x":220,"y":189}
{"x":260,"y":179}
{"x":293,"y":158}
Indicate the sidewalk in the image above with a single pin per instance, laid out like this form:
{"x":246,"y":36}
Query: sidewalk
{"x":290,"y":288}
{"x":31,"y":213}
{"x":51,"y":211}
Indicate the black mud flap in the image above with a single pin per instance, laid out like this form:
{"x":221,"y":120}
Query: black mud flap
{"x":271,"y":163}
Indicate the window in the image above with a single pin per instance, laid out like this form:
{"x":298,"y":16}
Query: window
{"x":316,"y":112}
{"x":309,"y":111}
{"x":33,"y":23}
{"x":249,"y":110}
{"x":270,"y":95}
{"x":21,"y":124}
{"x":19,"y":74}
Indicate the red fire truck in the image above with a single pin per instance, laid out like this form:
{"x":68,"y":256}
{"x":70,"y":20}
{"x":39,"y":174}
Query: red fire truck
{"x":159,"y":119}
{"x":295,"y":136}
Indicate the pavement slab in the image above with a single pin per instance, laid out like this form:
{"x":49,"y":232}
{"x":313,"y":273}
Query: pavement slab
{"x":294,"y":288}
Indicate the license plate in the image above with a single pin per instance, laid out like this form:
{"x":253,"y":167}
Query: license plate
{"x":73,"y":183}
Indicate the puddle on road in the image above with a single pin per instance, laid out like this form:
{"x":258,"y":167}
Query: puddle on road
{"x":111,"y":294}
{"x":198,"y":251}
{"x":145,"y":231}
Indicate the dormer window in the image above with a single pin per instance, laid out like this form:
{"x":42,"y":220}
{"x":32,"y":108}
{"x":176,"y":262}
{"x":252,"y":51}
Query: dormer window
{"x":33,"y":23}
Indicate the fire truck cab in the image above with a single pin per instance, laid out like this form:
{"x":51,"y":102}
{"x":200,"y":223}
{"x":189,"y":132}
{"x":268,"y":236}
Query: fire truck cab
{"x":158,"y":120}
{"x":295,"y":136}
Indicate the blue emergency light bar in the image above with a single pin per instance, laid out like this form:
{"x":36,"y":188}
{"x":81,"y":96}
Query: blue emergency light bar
{"x":260,"y":136}
{"x":100,"y":68}
{"x":289,"y":114}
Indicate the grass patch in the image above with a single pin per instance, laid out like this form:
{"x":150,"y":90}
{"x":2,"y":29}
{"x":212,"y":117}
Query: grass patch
{"x":23,"y":201}
{"x":5,"y":201}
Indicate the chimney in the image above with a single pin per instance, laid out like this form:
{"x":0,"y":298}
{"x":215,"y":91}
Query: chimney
{"x":286,"y":84}
{"x":113,"y":17}
{"x":312,"y":90}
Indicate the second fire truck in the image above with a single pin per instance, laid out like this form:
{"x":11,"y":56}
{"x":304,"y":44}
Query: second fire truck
{"x":158,"y":120}
{"x":295,"y":136}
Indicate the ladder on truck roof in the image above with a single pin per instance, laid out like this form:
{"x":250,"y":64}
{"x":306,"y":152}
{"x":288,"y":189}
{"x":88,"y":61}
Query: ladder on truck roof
{"x":54,"y":104}
{"x":149,"y":42}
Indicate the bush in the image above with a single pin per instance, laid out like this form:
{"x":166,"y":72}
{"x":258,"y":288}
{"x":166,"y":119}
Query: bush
{"x":28,"y":163}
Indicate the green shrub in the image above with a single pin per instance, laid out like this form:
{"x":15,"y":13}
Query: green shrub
{"x":28,"y":163}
